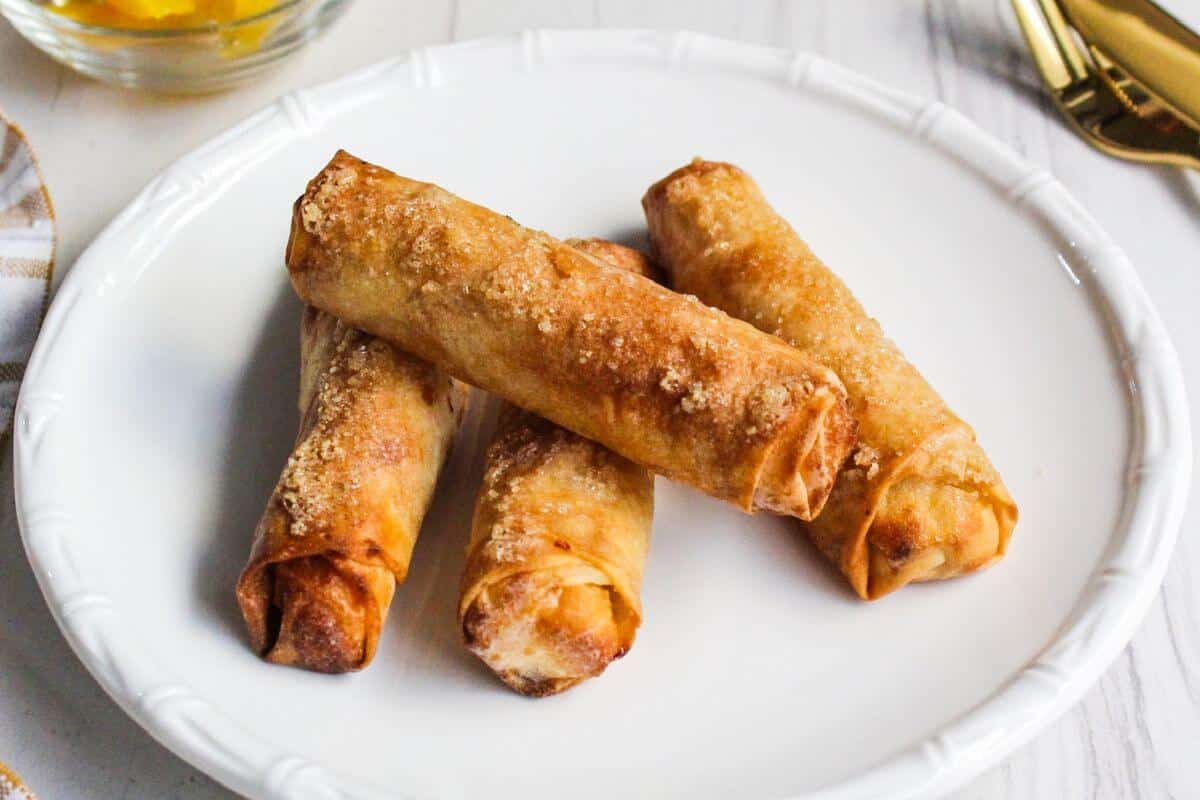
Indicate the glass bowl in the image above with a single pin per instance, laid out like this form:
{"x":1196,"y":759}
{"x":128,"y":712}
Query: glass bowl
{"x":203,"y":58}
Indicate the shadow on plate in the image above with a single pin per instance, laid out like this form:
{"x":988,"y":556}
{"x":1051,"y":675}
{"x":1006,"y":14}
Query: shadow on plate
{"x":424,"y":633}
{"x":264,"y":421}
{"x":1184,"y":185}
{"x":634,"y":236}
{"x":983,"y":39}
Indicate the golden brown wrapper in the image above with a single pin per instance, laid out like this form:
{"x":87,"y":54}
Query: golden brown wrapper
{"x":918,"y":500}
{"x":667,"y":382}
{"x":551,"y":592}
{"x":339,"y":529}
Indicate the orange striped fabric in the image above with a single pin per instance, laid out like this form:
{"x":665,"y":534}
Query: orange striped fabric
{"x":26,"y":261}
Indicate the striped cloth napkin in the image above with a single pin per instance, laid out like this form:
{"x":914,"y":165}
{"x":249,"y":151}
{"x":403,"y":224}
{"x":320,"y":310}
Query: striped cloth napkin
{"x":26,"y":260}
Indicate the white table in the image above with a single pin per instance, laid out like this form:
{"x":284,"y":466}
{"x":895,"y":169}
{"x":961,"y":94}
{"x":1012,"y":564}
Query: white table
{"x":1137,"y":734}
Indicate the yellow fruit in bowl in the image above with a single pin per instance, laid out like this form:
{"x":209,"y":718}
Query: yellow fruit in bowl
{"x":240,"y":9}
{"x":161,"y":13}
{"x":153,"y":9}
{"x":231,"y":10}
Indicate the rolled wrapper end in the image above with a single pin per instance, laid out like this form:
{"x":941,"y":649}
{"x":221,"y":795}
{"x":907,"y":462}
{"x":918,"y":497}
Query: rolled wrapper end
{"x":940,"y":512}
{"x":547,"y":630}
{"x":798,"y":475}
{"x":321,"y":612}
{"x":312,"y":215}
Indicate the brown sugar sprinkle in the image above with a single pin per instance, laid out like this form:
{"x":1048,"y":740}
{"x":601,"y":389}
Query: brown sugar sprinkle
{"x":867,"y":457}
{"x":324,"y":471}
{"x":314,"y":213}
{"x":531,"y":447}
{"x":773,"y":404}
{"x":307,"y":487}
{"x":695,"y":399}
{"x":671,"y":381}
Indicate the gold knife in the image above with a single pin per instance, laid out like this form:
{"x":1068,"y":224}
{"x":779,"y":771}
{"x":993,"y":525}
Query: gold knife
{"x":1124,"y":72}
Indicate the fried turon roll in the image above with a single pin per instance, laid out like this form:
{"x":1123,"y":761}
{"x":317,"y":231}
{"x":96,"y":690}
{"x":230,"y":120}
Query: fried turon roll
{"x":669,"y":383}
{"x":918,"y":500}
{"x":551,"y":593}
{"x":339,"y":529}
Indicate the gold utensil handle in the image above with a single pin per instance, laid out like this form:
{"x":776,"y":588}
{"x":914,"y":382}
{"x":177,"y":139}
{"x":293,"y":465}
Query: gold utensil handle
{"x":1153,"y":47}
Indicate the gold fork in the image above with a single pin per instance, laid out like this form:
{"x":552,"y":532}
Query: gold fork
{"x":1125,"y":73}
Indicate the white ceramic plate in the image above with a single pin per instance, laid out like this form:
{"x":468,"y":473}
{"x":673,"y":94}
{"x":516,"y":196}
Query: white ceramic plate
{"x":159,"y":408}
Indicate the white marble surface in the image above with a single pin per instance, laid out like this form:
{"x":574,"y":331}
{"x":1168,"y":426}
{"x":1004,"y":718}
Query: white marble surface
{"x":1136,"y":734}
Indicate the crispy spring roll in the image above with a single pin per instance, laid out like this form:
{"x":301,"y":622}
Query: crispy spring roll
{"x":919,"y":500}
{"x":663,"y":380}
{"x":339,"y":529}
{"x":551,"y":593}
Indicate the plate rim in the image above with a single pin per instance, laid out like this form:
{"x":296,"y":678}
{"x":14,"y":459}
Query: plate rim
{"x":1104,"y":619}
